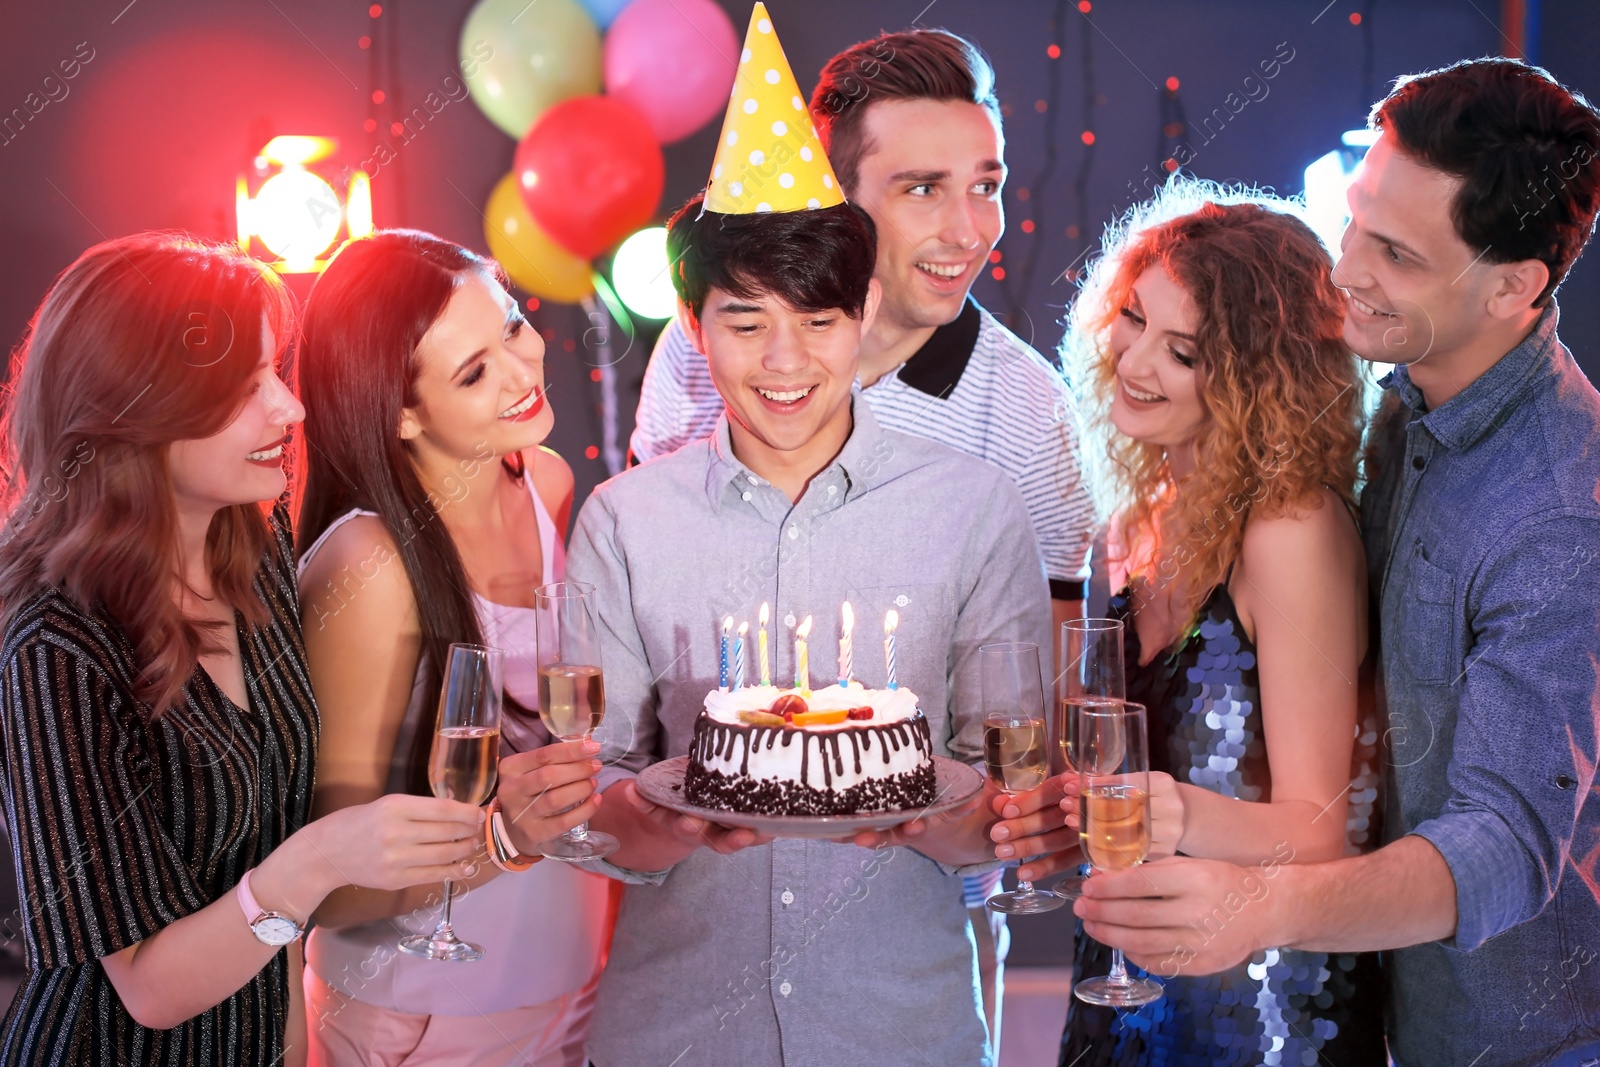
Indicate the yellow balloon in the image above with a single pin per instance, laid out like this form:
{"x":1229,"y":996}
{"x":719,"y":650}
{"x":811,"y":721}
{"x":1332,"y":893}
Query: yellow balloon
{"x":535,"y":262}
{"x":520,"y":58}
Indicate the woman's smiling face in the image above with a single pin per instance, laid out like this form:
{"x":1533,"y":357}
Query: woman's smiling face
{"x":1158,"y":389}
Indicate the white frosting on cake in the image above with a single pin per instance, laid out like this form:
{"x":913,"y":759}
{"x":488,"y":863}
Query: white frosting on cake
{"x":888,"y":705}
{"x":770,"y":759}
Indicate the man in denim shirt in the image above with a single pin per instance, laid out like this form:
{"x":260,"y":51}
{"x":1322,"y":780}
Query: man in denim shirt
{"x":1483,"y":535}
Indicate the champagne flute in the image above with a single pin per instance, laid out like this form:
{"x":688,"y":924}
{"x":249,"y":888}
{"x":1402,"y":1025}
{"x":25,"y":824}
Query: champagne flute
{"x":1014,"y":744}
{"x":463,"y":766}
{"x":1091,"y":669}
{"x":572,"y":692}
{"x":1114,"y":771}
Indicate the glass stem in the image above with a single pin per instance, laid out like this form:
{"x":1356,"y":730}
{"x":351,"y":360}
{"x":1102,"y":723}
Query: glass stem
{"x":579,"y":832}
{"x":444,"y":918}
{"x":1119,"y":970}
{"x":1024,"y":889}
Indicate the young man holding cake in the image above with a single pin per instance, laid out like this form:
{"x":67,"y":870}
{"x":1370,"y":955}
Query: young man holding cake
{"x":734,"y":948}
{"x":911,"y":123}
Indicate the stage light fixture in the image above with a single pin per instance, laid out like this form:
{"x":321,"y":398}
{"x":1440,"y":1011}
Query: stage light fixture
{"x":289,"y":203}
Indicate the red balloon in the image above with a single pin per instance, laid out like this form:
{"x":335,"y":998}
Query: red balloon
{"x":591,"y":173}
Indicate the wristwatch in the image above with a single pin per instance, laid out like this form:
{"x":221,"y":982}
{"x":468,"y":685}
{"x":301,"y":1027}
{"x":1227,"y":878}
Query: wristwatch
{"x":270,"y":927}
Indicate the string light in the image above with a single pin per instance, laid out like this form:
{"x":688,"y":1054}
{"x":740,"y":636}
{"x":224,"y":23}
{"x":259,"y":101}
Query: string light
{"x":1016,"y":293}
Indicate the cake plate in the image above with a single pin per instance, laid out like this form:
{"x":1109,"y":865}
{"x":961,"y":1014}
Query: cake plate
{"x":954,"y":784}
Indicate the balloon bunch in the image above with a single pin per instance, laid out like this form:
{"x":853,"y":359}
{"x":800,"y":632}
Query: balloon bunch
{"x":588,"y":168}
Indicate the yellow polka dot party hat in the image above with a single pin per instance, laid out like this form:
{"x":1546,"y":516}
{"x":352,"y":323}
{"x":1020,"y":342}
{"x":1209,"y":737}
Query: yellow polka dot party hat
{"x":768,"y":158}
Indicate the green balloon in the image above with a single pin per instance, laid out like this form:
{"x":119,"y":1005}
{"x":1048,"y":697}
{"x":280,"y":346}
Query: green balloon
{"x":520,"y":58}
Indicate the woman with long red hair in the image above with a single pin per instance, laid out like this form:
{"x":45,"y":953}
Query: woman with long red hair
{"x":159,"y":728}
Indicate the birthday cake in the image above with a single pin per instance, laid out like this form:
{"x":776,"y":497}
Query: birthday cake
{"x":839,"y":750}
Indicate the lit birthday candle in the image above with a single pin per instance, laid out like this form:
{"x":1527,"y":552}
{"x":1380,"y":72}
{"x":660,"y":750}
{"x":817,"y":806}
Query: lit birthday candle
{"x":846,"y":655}
{"x":722,"y":670}
{"x":891,"y":622}
{"x":766,"y":663}
{"x":802,"y":663}
{"x":738,"y":656}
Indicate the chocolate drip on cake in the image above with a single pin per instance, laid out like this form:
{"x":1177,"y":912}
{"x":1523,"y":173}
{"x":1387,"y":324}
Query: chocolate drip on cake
{"x":717,"y":742}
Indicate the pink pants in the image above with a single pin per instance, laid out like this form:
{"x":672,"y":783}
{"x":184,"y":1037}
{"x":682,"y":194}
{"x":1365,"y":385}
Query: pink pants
{"x":348,"y":1033}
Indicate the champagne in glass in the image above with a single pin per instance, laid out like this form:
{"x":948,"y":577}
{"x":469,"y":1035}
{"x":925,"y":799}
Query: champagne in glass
{"x":1115,"y":779}
{"x":572,"y":700}
{"x":1117,"y":821}
{"x":1015,"y":746}
{"x":1014,"y":751}
{"x":1090,"y":669}
{"x":463,"y":765}
{"x":572,"y":692}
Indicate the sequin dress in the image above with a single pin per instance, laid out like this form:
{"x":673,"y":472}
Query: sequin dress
{"x":1285,"y":1006}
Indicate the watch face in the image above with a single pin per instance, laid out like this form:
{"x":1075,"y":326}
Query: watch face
{"x":275,"y":930}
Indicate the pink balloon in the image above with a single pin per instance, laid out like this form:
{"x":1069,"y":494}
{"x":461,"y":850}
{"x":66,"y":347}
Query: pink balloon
{"x":672,"y":61}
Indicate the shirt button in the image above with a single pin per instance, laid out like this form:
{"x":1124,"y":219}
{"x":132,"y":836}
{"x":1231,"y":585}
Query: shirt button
{"x":786,"y":989}
{"x":753,"y":479}
{"x":832,"y":489}
{"x":788,"y":620}
{"x":1418,"y":462}
{"x":1563,"y":781}
{"x":794,"y":532}
{"x":747,"y":495}
{"x":787,"y":898}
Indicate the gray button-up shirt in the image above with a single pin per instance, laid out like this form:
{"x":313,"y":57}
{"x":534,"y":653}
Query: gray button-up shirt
{"x":802,"y":953}
{"x":1483,"y":533}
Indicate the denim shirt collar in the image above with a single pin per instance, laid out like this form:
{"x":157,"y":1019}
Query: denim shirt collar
{"x":857,"y":462}
{"x":1464,"y":419}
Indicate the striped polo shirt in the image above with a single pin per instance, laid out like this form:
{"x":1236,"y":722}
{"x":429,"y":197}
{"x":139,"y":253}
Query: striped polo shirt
{"x":974,"y":385}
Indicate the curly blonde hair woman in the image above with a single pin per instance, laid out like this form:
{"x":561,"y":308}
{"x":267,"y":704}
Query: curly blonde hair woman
{"x":1225,"y":417}
{"x":1281,"y":394}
